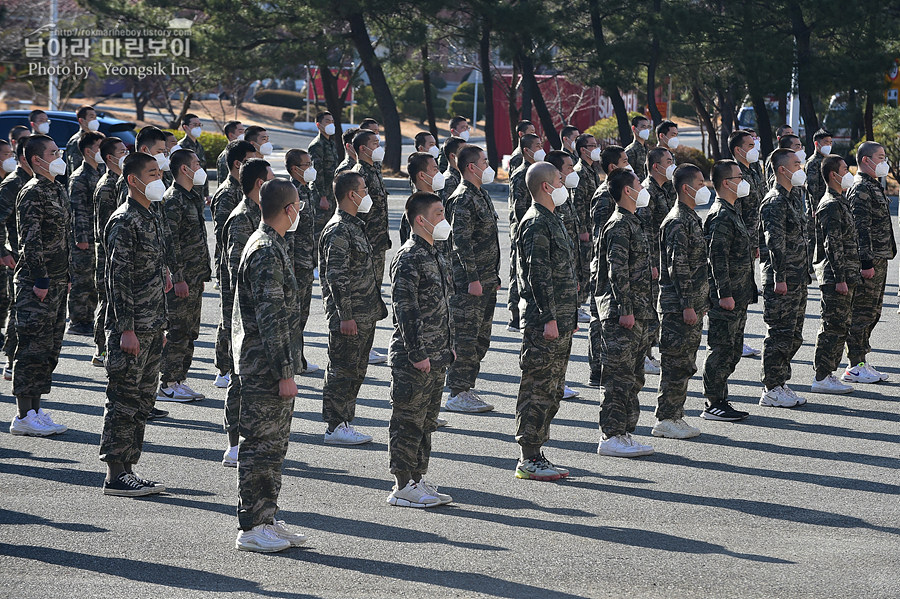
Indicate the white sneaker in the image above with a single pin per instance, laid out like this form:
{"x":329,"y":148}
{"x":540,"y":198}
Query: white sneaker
{"x":583,"y":315}
{"x":173,"y":392}
{"x":622,"y":446}
{"x":777,"y":398}
{"x":45,"y":419}
{"x":412,"y":495}
{"x":222,"y":380}
{"x":675,"y":428}
{"x":793,"y":395}
{"x":283,"y":532}
{"x":860,"y":374}
{"x":467,"y":401}
{"x":651,"y":366}
{"x":749,"y":352}
{"x":344,"y":434}
{"x":569,"y":393}
{"x":513,"y":329}
{"x":230,"y":458}
{"x":316,"y":274}
{"x":881,"y":376}
{"x":310,"y":367}
{"x":433,"y":490}
{"x":262,"y":539}
{"x":441,"y":422}
{"x":376,"y":357}
{"x":643,"y":448}
{"x":31,"y":425}
{"x":830,"y":385}
{"x":185,"y":389}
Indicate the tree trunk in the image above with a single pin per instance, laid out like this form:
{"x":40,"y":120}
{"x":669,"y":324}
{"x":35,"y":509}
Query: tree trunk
{"x":185,"y":107}
{"x":487,"y":78}
{"x":426,"y":89}
{"x":868,"y":117}
{"x":334,"y":102}
{"x":512,"y":107}
{"x":655,"y":116}
{"x":544,"y":115}
{"x":855,"y":122}
{"x":763,"y":125}
{"x":607,"y":78}
{"x":140,"y":99}
{"x":706,"y":121}
{"x":382,"y":91}
{"x":804,"y":62}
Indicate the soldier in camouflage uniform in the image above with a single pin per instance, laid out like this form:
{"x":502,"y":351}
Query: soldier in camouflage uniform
{"x":420,"y":350}
{"x":683,"y":301}
{"x":368,"y":149}
{"x":459,"y":128}
{"x":353,"y":306}
{"x":135,"y":319}
{"x":667,"y":136}
{"x":349,"y":160}
{"x":622,"y":297}
{"x":785,"y":278}
{"x":324,"y":155}
{"x":87,"y":123}
{"x":452,"y":176}
{"x":475,"y":262}
{"x":731,"y":289}
{"x":519,"y":202}
{"x":265,"y":338}
{"x":815,"y":184}
{"x":82,"y":182}
{"x":192,"y":128}
{"x":577,"y":230}
{"x":302,"y":241}
{"x":424,"y":176}
{"x":9,"y":245}
{"x":588,"y":182}
{"x":549,"y":287}
{"x":568,"y":135}
{"x":637,"y":149}
{"x":836,"y":260}
{"x":522,"y":128}
{"x":184,"y":210}
{"x":234,"y":130}
{"x":871,"y":214}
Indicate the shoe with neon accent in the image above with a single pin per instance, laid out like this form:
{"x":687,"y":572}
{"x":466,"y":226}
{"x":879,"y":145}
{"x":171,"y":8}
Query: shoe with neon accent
{"x":536,"y":468}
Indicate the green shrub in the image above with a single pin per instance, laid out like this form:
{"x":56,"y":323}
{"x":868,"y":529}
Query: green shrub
{"x":366,"y":106}
{"x":411,"y":101}
{"x":606,"y":131}
{"x":212,"y":143}
{"x":684,"y":154}
{"x":463,"y":100}
{"x":280,"y":97}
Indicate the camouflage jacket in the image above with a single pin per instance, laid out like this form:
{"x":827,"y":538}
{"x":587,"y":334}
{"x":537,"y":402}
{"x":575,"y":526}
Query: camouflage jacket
{"x":748,"y":206}
{"x":519,"y":197}
{"x":302,"y":242}
{"x":602,"y":208}
{"x":135,"y":270}
{"x":783,"y":253}
{"x":376,"y":219}
{"x":346,"y":164}
{"x":325,"y":158}
{"x":588,"y":182}
{"x":662,"y":199}
{"x":729,"y":257}
{"x":815,"y":184}
{"x":452,"y":177}
{"x":106,"y":200}
{"x":683,"y":276}
{"x":476,"y":243}
{"x":570,"y":218}
{"x":637,"y":158}
{"x":836,"y":256}
{"x":420,"y":292}
{"x":872,"y":216}
{"x":222,"y":170}
{"x":516,"y":159}
{"x":82,"y":184}
{"x":228,"y":195}
{"x":266,"y":336}
{"x":442,"y":161}
{"x":9,"y":190}
{"x":241,"y":224}
{"x":622,"y":266}
{"x":73,"y":154}
{"x":545,"y":269}
{"x":347,"y":273}
{"x":45,"y":228}
{"x":184,"y":211}
{"x":194,"y":146}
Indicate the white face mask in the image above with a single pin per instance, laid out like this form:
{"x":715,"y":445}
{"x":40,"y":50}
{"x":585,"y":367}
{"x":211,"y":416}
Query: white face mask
{"x":196,"y":131}
{"x":572,"y":180}
{"x":437,"y":182}
{"x":434,"y":151}
{"x":798,"y":178}
{"x":365,"y":204}
{"x":628,"y":167}
{"x":310,"y":174}
{"x":670,"y":172}
{"x":161,"y":161}
{"x":595,"y":154}
{"x":10,"y":164}
{"x":57,"y":167}
{"x":121,"y":160}
{"x":93,"y":125}
{"x":643,"y":199}
{"x":743,"y":189}
{"x":487,"y":176}
{"x":440,"y":231}
{"x":329,"y":129}
{"x":540,"y":155}
{"x":825,"y":150}
{"x":98,"y":158}
{"x":674,"y":142}
{"x":266,"y":148}
{"x":559,"y":196}
{"x":174,"y":149}
{"x":294,"y":223}
{"x":465,"y":135}
{"x":240,"y":137}
{"x":378,"y":154}
{"x":44,"y":128}
{"x":757,"y":143}
{"x":644,"y":134}
{"x":199,"y":177}
{"x":752,"y":155}
{"x":701,"y":196}
{"x":154,"y":190}
{"x":882,"y":169}
{"x":847,"y":180}
{"x":801,"y":154}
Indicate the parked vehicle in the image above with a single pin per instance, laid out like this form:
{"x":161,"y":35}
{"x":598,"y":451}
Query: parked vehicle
{"x":63,"y":126}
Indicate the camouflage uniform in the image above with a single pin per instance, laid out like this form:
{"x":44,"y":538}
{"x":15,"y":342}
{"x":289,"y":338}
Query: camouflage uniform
{"x":324,"y":157}
{"x":194,"y":146}
{"x":302,"y":247}
{"x":574,"y":227}
{"x":836,"y":260}
{"x":135,"y":284}
{"x":549,"y":288}
{"x":44,"y":227}
{"x":376,"y":219}
{"x":875,"y":231}
{"x":637,"y":158}
{"x":748,"y":206}
{"x":222,"y":170}
{"x":346,"y":164}
{"x":83,"y":296}
{"x":9,"y":245}
{"x":350,"y":291}
{"x":730,"y":265}
{"x":622,"y":257}
{"x":683,"y":284}
{"x":588,"y":182}
{"x":662,"y":199}
{"x":442,"y":161}
{"x":106,"y":200}
{"x":784,"y":259}
{"x":452,"y":177}
{"x":519,"y":202}
{"x":420,"y":288}
{"x":475,"y":257}
{"x":74,"y":159}
{"x":265,"y":337}
{"x":602,"y":206}
{"x":240,"y":226}
{"x":516,"y":159}
{"x":227,"y":197}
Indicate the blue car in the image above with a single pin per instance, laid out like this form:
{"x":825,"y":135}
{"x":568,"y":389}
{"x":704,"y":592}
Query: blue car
{"x":63,"y":126}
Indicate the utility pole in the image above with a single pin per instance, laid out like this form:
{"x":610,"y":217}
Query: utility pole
{"x":53,"y":87}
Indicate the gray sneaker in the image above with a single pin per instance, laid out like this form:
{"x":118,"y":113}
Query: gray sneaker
{"x":467,"y":401}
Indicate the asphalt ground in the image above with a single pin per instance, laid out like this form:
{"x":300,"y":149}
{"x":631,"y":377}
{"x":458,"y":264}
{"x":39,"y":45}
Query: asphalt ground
{"x":789,"y":503}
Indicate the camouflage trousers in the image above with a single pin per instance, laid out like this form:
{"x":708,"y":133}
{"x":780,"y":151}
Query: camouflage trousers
{"x":622,"y":353}
{"x":83,"y":296}
{"x":584,"y":272}
{"x":834,"y":328}
{"x":415,"y":403}
{"x":102,"y":301}
{"x":40,"y":326}
{"x":678,"y":344}
{"x":5,"y":301}
{"x":8,"y":322}
{"x":183,"y":330}
{"x":653,"y":324}
{"x":378,"y":262}
{"x":472,"y":318}
{"x":233,"y":404}
{"x":130,"y":395}
{"x":512,"y":295}
{"x":543,"y":363}
{"x":725,"y":345}
{"x":266,"y":428}
{"x":595,"y":327}
{"x":321,"y":219}
{"x":867,"y":303}
{"x":784,"y":316}
{"x":223,"y":360}
{"x":348,"y":360}
{"x":304,"y":285}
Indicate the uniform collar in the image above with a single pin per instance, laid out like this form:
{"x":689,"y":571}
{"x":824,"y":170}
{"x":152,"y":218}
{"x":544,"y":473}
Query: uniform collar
{"x":192,"y":192}
{"x":133,"y":203}
{"x":418,"y":241}
{"x":349,"y":218}
{"x":725,"y":204}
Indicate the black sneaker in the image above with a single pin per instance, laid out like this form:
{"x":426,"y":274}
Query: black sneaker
{"x":156,"y":414}
{"x":722,"y":410}
{"x":126,"y":485}
{"x":154,"y":486}
{"x":594,"y":382}
{"x":84,"y":329}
